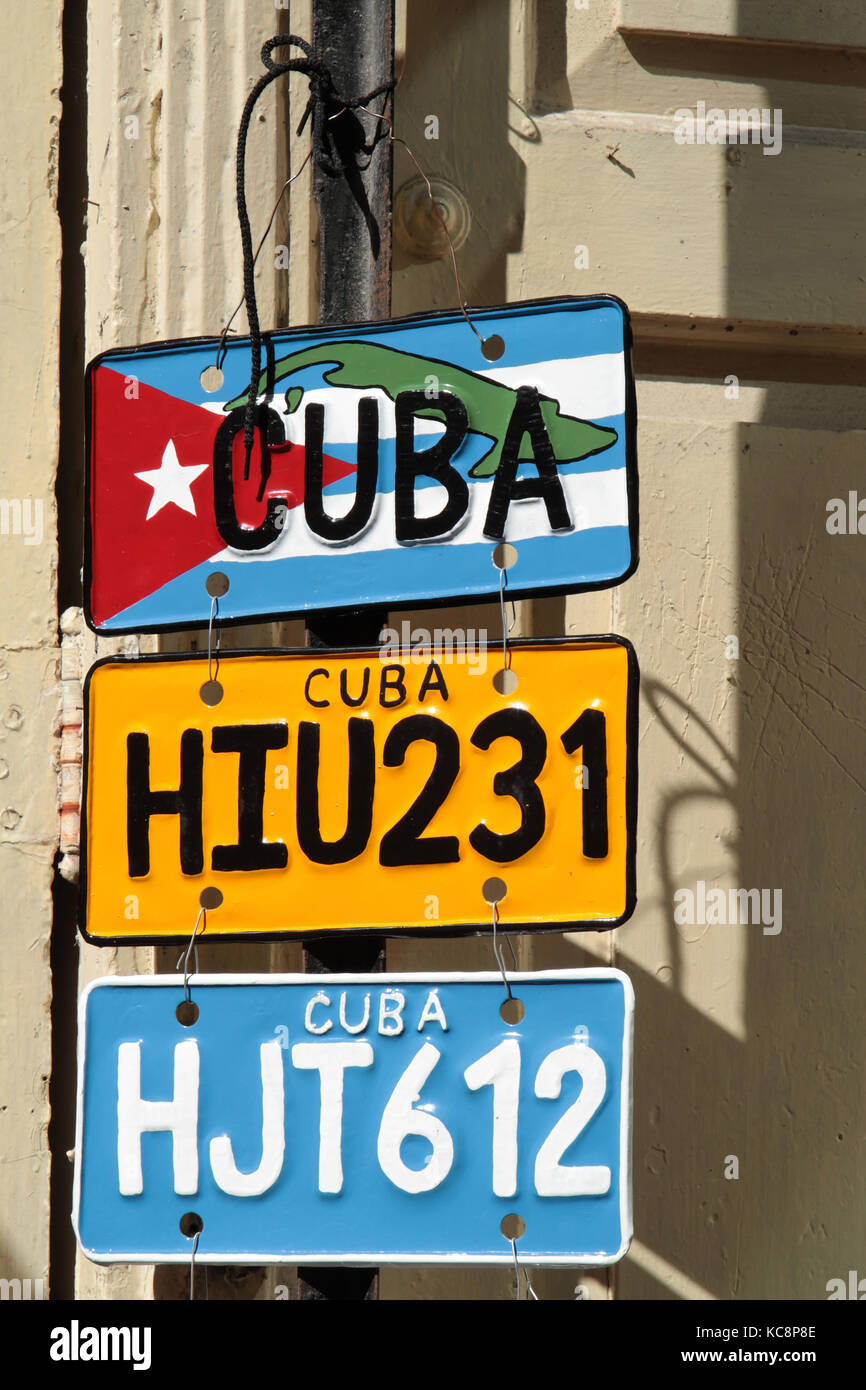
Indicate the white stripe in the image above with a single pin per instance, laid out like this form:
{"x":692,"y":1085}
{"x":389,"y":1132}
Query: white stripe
{"x":593,"y":499}
{"x":591,"y":388}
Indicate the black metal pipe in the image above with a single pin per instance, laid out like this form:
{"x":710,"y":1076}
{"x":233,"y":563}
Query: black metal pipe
{"x":355,"y":39}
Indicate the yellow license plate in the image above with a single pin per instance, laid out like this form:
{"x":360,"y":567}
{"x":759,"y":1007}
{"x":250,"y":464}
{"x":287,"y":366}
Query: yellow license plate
{"x":349,"y":791}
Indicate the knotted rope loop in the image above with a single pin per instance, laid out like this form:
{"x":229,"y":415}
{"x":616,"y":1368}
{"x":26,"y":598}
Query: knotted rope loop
{"x":324,"y":106}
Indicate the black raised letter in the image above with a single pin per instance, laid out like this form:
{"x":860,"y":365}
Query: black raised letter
{"x":341,"y":528}
{"x":433,"y":680}
{"x":589,"y":732}
{"x":526,"y":418}
{"x":429,"y":463}
{"x":397,"y":685}
{"x":518,"y":782}
{"x":359,"y":812}
{"x":269,"y":428}
{"x":344,"y":688}
{"x":142,"y":803}
{"x":403,"y":843}
{"x":319,"y":704}
{"x":252,"y":741}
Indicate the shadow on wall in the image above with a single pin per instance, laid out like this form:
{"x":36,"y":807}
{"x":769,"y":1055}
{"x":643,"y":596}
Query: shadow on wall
{"x":689,"y":1071}
{"x":801,"y":802}
{"x":785,"y":1095}
{"x":713,"y":760}
{"x":787,"y":1099}
{"x":801,"y":738}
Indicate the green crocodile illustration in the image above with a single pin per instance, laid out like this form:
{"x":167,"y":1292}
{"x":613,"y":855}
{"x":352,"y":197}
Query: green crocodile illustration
{"x":489,"y":404}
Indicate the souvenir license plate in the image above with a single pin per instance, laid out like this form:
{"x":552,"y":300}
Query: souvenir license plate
{"x":389,"y":461}
{"x":357,"y":1119}
{"x":329,"y":791}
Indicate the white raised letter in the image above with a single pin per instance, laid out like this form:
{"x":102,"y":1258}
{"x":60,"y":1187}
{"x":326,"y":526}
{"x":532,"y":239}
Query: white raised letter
{"x":552,"y":1178}
{"x":311,"y":1027}
{"x":433,"y":1010}
{"x":400,"y":1119}
{"x":395,"y":1014}
{"x":365,"y":1019}
{"x":501,"y":1070}
{"x":136,"y":1117}
{"x":225,"y":1171}
{"x":330,"y":1061}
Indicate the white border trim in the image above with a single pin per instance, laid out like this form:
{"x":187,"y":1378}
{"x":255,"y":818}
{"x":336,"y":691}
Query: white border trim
{"x":417,"y":1258}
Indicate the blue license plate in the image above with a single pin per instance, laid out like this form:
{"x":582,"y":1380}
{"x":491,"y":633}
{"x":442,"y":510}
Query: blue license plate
{"x":355,"y":1119}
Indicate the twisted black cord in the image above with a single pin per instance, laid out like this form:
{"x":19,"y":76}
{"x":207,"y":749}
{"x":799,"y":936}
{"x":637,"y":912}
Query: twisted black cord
{"x":324,"y":103}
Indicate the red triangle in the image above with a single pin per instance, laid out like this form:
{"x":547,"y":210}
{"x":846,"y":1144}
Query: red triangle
{"x":131,"y":426}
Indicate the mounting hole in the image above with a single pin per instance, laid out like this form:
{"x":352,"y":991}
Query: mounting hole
{"x":512,"y":1011}
{"x":211,"y":379}
{"x":512,"y":1226}
{"x":211,"y":692}
{"x":493,"y":347}
{"x":504,"y":682}
{"x":505,"y":555}
{"x":493,"y":890}
{"x":217,"y":584}
{"x":186,"y":1013}
{"x":210,"y":899}
{"x":191,"y":1224}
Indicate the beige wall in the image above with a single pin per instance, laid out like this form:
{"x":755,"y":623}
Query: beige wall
{"x":29,"y":692}
{"x":746,"y":1044}
{"x":558,"y":130}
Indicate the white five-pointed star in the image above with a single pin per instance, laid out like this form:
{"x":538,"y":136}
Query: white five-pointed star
{"x":171,"y":482}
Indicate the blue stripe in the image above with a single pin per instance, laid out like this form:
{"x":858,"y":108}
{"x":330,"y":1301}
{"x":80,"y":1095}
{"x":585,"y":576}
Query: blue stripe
{"x":532,"y":333}
{"x":423,"y":575}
